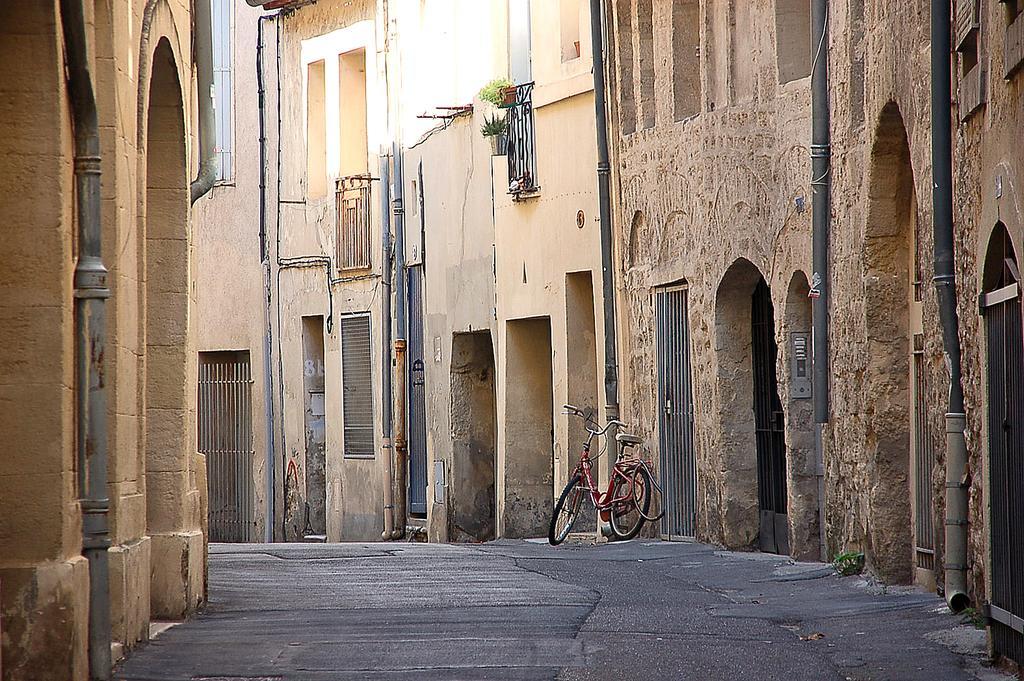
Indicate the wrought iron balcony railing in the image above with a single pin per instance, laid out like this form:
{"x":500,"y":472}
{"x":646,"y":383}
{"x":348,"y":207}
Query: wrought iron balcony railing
{"x":352,"y":204}
{"x":522,"y":150}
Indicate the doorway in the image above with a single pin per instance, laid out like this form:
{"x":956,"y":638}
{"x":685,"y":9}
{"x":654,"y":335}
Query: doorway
{"x":769,"y":426}
{"x":1001,"y":308}
{"x":474,"y":437}
{"x":315,"y":428}
{"x":675,"y":414}
{"x":417,"y":397}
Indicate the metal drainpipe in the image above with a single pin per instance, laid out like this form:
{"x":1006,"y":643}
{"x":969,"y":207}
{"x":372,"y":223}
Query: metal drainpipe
{"x":268,"y":336}
{"x":821,"y":188}
{"x":387,"y":419}
{"x":604,"y":170}
{"x":401,"y":448}
{"x":91,"y":293}
{"x":955,"y":561}
{"x":207,"y":174}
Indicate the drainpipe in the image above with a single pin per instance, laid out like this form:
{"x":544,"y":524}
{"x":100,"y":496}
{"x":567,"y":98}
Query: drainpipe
{"x":821,"y":191}
{"x":268,"y":336}
{"x":604,"y":170}
{"x":955,"y":562}
{"x":385,"y":389}
{"x":207,"y":174}
{"x":401,"y":448}
{"x":91,"y":293}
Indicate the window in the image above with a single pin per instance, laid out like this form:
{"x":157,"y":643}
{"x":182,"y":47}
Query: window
{"x":352,"y":112}
{"x":569,"y":22}
{"x":1013,"y":46}
{"x":352,"y":205}
{"x":316,"y":131}
{"x":686,"y":58}
{"x":967,"y":42}
{"x":645,"y":28}
{"x":223,"y":97}
{"x":793,"y":39}
{"x":522,"y":155}
{"x":624,"y":39}
{"x":520,"y":69}
{"x":356,"y":387}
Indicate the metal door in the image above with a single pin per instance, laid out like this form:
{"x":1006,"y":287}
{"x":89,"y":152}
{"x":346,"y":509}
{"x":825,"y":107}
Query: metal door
{"x":675,"y":415}
{"x":225,"y":438}
{"x":417,"y":396}
{"x":769,"y":426}
{"x":1005,"y":339}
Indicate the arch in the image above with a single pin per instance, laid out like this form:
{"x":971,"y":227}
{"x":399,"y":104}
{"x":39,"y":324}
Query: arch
{"x":1001,"y":267}
{"x":635,"y":248}
{"x":170,"y":498}
{"x":734,"y":351}
{"x":888,"y":260}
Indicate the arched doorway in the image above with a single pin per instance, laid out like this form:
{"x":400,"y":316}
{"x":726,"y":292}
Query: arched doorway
{"x":753,"y":443}
{"x":892,"y":322}
{"x":171,"y":502}
{"x":1001,"y":308}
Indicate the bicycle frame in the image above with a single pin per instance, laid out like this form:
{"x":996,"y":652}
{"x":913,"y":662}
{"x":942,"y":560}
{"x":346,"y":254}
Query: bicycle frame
{"x":621,"y":470}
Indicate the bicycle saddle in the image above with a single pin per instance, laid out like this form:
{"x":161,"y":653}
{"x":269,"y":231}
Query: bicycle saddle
{"x":628,"y":440}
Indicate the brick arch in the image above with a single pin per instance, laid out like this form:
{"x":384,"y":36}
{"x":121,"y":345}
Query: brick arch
{"x":888,"y":261}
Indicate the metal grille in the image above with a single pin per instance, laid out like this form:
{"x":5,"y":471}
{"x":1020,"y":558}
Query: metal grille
{"x":924,"y":465}
{"x":417,"y":396}
{"x":1005,"y":336}
{"x":357,"y":387}
{"x":769,"y":425}
{"x":352,"y":204}
{"x":522,"y":155}
{"x":225,"y":438}
{"x":675,"y":423}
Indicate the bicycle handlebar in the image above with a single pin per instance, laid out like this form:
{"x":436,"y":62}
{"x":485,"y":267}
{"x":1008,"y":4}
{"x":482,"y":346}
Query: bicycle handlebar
{"x":576,"y":411}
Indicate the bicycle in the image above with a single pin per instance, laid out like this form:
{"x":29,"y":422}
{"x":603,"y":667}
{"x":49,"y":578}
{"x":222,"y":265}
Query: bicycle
{"x":625,"y":504}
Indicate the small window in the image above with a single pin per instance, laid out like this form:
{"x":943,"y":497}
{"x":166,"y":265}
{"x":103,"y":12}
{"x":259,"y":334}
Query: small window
{"x":356,"y":387}
{"x":569,"y":21}
{"x":223,"y":97}
{"x":316,"y":131}
{"x":520,"y":69}
{"x":793,"y":39}
{"x":352,"y":112}
{"x":645,"y":28}
{"x":624,"y":41}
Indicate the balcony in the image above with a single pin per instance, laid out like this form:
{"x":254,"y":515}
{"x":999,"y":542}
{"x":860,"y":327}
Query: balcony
{"x":352,"y":239}
{"x":522,"y":152}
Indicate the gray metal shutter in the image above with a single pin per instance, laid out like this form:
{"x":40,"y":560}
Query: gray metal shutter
{"x":223,"y":94}
{"x":357,"y":387}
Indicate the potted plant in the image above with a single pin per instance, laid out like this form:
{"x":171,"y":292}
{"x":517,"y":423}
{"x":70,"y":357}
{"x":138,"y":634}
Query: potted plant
{"x":493,"y":91}
{"x":495,"y":129}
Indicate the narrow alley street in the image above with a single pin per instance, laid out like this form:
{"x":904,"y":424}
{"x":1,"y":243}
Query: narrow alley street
{"x":522,"y":610}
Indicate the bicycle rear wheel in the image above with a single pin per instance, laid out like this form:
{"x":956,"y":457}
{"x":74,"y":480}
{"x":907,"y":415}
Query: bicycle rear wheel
{"x":627,"y":516}
{"x":567,"y":510}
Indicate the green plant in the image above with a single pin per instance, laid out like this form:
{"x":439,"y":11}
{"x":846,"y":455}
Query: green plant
{"x":492,"y":91}
{"x":494,"y":126}
{"x":973,"y":617}
{"x":849,"y":563}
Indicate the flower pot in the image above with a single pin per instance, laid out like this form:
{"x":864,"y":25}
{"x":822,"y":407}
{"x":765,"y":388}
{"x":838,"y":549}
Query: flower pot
{"x":508,"y":96}
{"x":499,"y":144}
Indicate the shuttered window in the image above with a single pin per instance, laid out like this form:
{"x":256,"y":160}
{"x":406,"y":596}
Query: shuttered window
{"x":223,"y":94}
{"x":356,"y":387}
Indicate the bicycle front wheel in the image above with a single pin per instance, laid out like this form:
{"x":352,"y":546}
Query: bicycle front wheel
{"x":633,"y":490}
{"x":567,"y":510}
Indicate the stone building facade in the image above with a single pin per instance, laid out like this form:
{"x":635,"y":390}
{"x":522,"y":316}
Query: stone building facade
{"x":712,"y":108}
{"x":141,"y":68}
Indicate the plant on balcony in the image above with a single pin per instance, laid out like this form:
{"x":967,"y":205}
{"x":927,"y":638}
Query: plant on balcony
{"x":495,"y":129}
{"x":493,"y":91}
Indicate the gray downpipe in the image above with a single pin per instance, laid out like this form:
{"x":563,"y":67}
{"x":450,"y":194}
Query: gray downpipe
{"x":821,"y":192}
{"x":401,"y":448}
{"x":955,"y":558}
{"x":604,"y":170}
{"x":91,"y":293}
{"x":385,"y":388}
{"x":268,"y":336}
{"x":207,"y":174}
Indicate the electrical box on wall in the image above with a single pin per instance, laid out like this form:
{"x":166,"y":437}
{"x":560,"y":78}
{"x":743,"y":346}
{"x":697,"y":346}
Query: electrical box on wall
{"x":800,"y":366}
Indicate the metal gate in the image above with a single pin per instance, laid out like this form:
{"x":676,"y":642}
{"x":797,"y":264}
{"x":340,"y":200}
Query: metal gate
{"x":225,"y":437}
{"x":417,"y":397}
{"x":924,"y":464}
{"x":1005,"y":338}
{"x":769,"y":426}
{"x":675,"y":414}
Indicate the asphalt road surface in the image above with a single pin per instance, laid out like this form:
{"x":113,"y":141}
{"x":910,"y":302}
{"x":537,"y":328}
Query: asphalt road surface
{"x":524,"y":610}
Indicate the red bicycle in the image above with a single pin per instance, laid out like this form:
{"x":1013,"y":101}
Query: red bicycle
{"x":625,"y":504}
